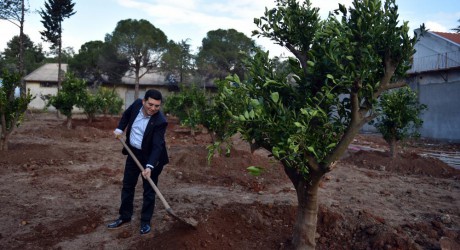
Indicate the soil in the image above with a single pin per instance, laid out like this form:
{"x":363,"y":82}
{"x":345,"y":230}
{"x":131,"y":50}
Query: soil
{"x":61,"y":187}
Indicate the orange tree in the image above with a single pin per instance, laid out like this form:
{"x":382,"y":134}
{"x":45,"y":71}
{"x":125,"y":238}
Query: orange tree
{"x":399,"y":117}
{"x":12,"y":108}
{"x":73,"y":93}
{"x":187,"y":105}
{"x":307,"y":118}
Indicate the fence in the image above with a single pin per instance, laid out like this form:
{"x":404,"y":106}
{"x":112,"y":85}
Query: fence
{"x":436,"y":62}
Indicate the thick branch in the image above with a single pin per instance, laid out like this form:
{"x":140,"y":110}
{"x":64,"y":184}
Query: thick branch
{"x":394,"y":85}
{"x":352,"y":130}
{"x":301,"y":57}
{"x":312,"y":163}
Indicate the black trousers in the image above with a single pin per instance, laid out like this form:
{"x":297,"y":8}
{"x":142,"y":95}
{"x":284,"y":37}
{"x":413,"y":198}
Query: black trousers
{"x":130,"y":179}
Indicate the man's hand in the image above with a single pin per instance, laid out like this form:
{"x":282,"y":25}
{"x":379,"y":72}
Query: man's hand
{"x":118,"y":133}
{"x":147,"y":172}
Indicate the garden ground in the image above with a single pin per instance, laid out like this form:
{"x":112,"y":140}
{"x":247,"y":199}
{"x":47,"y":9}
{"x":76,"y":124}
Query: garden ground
{"x":60,"y":188}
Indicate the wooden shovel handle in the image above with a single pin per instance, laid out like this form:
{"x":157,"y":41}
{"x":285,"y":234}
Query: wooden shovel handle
{"x":157,"y":191}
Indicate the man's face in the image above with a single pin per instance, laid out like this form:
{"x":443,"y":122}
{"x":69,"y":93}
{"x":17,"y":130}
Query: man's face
{"x":151,"y":106}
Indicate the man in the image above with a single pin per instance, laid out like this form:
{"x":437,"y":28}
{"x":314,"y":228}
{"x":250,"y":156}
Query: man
{"x":145,"y":128}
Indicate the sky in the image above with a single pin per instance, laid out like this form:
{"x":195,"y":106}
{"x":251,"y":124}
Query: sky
{"x":192,"y":19}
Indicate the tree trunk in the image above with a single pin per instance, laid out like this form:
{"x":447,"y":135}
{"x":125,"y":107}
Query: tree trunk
{"x":59,"y":57}
{"x":69,"y":122}
{"x":4,"y":143}
{"x":393,"y":148}
{"x":59,"y":80}
{"x":307,"y":210}
{"x":2,"y":131}
{"x":4,"y":136}
{"x":136,"y":84}
{"x":22,"y":88}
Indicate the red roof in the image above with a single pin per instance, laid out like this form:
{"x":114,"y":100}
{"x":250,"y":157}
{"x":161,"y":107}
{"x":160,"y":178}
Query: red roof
{"x":454,"y":37}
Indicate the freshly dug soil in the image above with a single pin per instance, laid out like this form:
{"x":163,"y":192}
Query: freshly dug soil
{"x":60,"y":188}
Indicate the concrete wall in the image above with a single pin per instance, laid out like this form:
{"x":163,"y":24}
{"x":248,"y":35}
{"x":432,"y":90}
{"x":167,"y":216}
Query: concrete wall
{"x":435,"y":75}
{"x":36,"y":90}
{"x":442,"y":119}
{"x":124,"y":91}
{"x":128,"y":93}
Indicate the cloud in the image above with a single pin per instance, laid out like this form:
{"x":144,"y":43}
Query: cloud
{"x":434,"y":26}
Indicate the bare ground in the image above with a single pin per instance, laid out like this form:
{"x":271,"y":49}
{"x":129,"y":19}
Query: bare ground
{"x":61,"y":187}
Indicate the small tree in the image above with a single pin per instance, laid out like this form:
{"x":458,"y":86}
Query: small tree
{"x":340,"y":67}
{"x":400,"y":118}
{"x":91,"y":105}
{"x":104,"y":100}
{"x":187,"y":105}
{"x":111,"y":103}
{"x":73,"y":93}
{"x":11,"y":108}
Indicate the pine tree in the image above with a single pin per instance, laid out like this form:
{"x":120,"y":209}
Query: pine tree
{"x":52,"y":17}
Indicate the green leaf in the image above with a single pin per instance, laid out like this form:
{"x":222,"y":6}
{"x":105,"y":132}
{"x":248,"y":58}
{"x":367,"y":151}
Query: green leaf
{"x":251,"y":114}
{"x":275,"y":152}
{"x":255,"y":171}
{"x":275,"y":97}
{"x":312,"y":150}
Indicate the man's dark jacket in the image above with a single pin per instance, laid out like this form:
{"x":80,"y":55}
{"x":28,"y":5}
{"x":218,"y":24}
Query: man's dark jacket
{"x":153,"y":142}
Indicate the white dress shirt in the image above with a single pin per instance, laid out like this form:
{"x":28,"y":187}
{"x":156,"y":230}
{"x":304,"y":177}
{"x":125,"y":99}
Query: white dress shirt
{"x":138,"y":129}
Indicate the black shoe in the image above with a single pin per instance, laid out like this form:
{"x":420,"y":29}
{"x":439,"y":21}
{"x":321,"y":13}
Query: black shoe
{"x":117,"y":223}
{"x":145,"y":228}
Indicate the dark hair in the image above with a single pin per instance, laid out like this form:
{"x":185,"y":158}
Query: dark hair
{"x":154,"y":94}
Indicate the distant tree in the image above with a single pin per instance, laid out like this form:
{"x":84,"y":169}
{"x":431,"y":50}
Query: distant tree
{"x":33,"y":54}
{"x":282,"y":67}
{"x":13,"y":11}
{"x":400,"y":116}
{"x":85,"y":63}
{"x":67,"y":53}
{"x":97,"y":62}
{"x":178,"y":60}
{"x":12,"y":108}
{"x":113,"y":64}
{"x":141,"y":43}
{"x":457,"y":30}
{"x":222,"y":53}
{"x":52,"y":17}
{"x":2,"y":63}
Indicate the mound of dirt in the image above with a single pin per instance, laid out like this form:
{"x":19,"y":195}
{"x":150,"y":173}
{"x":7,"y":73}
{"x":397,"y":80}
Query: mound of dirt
{"x":61,"y":187}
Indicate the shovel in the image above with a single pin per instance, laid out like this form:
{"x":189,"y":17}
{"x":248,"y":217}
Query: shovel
{"x":190,"y":221}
